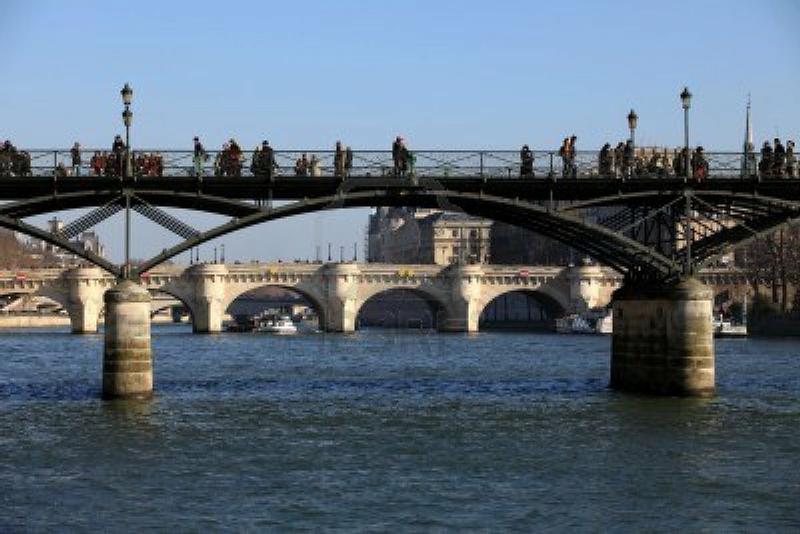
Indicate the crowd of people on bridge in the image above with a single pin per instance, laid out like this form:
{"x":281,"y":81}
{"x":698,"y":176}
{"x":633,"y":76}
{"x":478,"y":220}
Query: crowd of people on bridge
{"x":777,"y":161}
{"x":621,"y":162}
{"x":14,"y":162}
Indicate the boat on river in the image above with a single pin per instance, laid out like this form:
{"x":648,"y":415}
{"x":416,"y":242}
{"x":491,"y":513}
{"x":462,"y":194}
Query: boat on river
{"x":723,"y":328}
{"x":590,"y":322}
{"x":275,"y":324}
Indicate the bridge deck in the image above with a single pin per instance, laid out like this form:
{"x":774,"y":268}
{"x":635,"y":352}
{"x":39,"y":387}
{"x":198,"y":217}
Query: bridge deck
{"x":296,"y":188}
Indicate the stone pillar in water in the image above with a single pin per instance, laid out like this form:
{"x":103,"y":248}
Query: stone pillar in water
{"x":208,"y":303}
{"x":341,"y":285}
{"x":663,"y":341}
{"x":85,"y":287}
{"x":464,"y":310}
{"x":127,"y":358}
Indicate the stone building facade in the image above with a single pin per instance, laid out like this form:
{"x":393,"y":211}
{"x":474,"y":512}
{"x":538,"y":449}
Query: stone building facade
{"x":405,"y":235}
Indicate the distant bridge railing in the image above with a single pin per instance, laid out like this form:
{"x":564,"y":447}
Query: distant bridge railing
{"x":648,"y":162}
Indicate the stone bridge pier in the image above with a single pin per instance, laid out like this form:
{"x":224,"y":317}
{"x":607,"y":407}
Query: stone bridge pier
{"x":663,"y":341}
{"x":341,"y":289}
{"x":203,"y":291}
{"x":82,"y":296}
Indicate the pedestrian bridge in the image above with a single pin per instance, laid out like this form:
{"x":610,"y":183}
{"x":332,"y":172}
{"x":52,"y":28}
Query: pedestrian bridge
{"x":650,"y":224}
{"x":655,"y":226}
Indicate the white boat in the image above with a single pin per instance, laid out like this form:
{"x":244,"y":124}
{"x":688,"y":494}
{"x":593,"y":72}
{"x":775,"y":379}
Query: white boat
{"x":723,"y":328}
{"x":605,"y":324}
{"x":277,"y":325}
{"x":590,"y":322}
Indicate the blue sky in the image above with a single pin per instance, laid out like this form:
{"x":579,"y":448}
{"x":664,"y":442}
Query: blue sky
{"x":445,"y":74}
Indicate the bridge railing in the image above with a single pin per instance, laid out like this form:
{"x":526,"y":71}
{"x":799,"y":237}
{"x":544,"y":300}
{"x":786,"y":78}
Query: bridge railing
{"x":423,"y":163}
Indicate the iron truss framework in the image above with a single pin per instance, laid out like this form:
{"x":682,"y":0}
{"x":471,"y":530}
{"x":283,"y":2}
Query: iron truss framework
{"x":645,"y":227}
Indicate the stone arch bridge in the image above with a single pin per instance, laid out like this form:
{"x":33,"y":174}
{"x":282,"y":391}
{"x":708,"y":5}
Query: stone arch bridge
{"x":336,"y":290}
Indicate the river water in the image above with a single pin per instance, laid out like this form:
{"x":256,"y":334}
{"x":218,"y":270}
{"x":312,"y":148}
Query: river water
{"x":392,"y":431}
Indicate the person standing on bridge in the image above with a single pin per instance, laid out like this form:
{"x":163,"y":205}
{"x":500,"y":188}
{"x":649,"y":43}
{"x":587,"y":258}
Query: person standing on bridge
{"x":619,"y":150}
{"x":266,"y":162}
{"x":118,"y":150}
{"x":348,"y":161}
{"x":765,"y":165}
{"x":606,"y":161}
{"x":563,"y":152}
{"x":397,"y":155}
{"x":338,"y":160}
{"x":790,"y":161}
{"x":679,"y":162}
{"x":778,"y":159}
{"x":408,"y":161}
{"x":526,"y":162}
{"x":313,"y":166}
{"x":627,"y":160}
{"x":573,"y":167}
{"x":235,"y":158}
{"x":75,"y":155}
{"x":699,"y":165}
{"x":199,"y":158}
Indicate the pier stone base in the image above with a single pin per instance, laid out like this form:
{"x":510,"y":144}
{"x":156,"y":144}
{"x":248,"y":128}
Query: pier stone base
{"x":127,"y":358}
{"x":663,"y":341}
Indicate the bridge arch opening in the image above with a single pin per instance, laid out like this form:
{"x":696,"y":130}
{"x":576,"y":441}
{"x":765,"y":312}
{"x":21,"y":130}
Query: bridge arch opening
{"x":521,"y":309}
{"x":302,"y":306}
{"x":401,"y":308}
{"x":165,"y":300}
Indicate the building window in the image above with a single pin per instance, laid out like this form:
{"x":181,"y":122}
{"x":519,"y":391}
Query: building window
{"x":455,"y":233}
{"x":473,"y":234}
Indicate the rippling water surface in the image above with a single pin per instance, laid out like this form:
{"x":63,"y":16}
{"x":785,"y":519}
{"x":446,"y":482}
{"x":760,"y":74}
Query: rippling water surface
{"x":392,"y":431}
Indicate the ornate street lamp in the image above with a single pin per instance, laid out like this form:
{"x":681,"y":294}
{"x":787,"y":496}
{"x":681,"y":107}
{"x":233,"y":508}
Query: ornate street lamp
{"x":686,"y":102}
{"x":127,"y":118}
{"x":633,"y":118}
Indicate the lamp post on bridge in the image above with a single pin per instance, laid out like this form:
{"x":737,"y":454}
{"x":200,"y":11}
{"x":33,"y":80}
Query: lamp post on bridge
{"x":686,"y":102}
{"x":633,"y":119}
{"x":127,"y":118}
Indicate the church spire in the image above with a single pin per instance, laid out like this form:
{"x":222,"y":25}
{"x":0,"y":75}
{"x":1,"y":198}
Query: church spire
{"x":748,"y":130}
{"x":748,"y":156}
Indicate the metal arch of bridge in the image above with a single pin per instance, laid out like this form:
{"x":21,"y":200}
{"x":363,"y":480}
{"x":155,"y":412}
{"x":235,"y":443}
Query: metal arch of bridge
{"x":612,"y":249}
{"x":22,"y":227}
{"x":532,"y":203}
